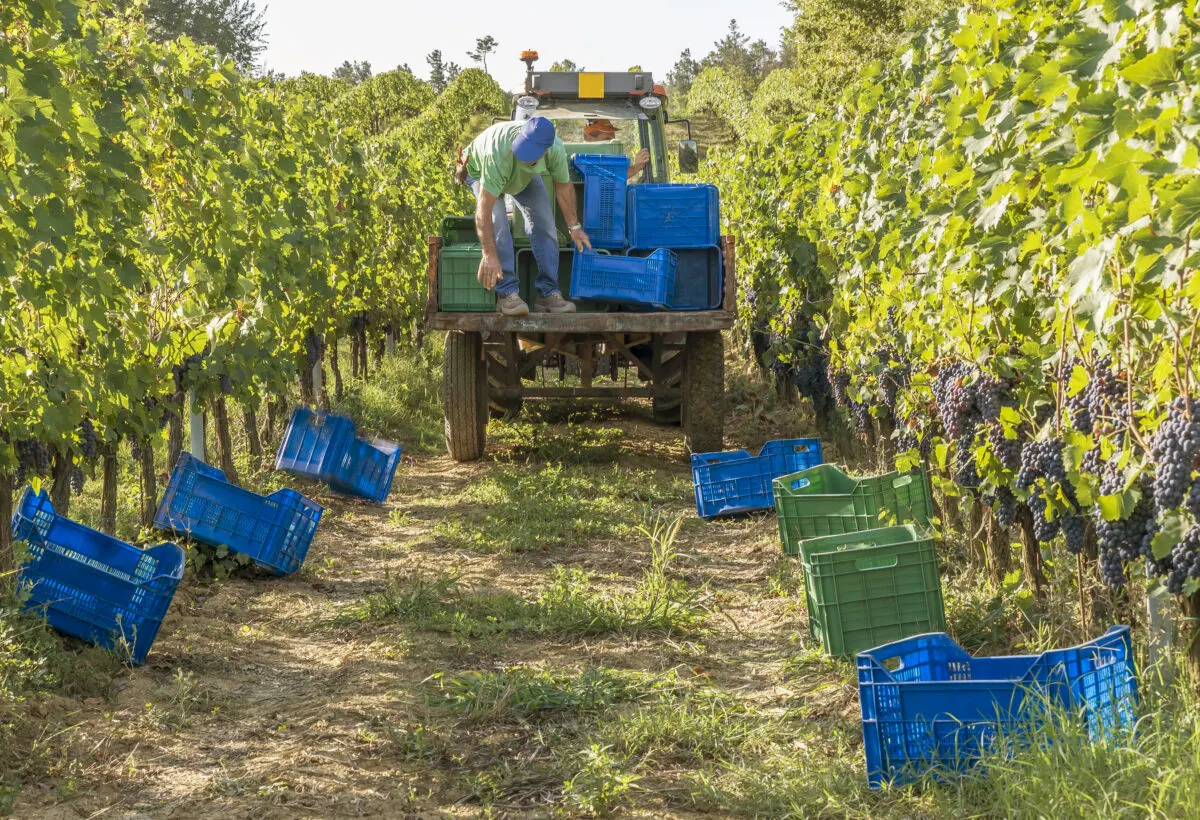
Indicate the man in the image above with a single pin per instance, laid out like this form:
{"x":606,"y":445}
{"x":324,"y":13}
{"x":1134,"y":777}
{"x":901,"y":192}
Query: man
{"x":605,"y":131}
{"x":509,"y":158}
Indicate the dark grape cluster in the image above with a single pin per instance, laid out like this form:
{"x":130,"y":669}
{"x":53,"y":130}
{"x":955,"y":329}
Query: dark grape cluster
{"x":1041,"y":459}
{"x":1044,"y":529}
{"x":1174,"y":449}
{"x":1106,"y":394}
{"x":1007,"y":450}
{"x":1080,"y":412}
{"x":912,"y":439}
{"x":811,"y":379}
{"x":862,"y":417}
{"x":87,"y":438}
{"x":1092,"y":462}
{"x":1073,"y":529}
{"x":989,"y":397}
{"x":180,"y":371}
{"x":135,"y":450}
{"x":1129,"y":538}
{"x":955,"y":398}
{"x":1112,"y":569}
{"x":226,"y":384}
{"x":966,"y":474}
{"x":77,"y":478}
{"x":1192,"y":502}
{"x":839,"y":380}
{"x":33,"y":459}
{"x":1185,"y":561}
{"x":1005,"y":508}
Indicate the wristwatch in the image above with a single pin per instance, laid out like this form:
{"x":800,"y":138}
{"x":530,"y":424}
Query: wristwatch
{"x":573,"y":228}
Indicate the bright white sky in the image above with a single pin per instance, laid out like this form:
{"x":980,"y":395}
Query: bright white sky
{"x":317,"y":35}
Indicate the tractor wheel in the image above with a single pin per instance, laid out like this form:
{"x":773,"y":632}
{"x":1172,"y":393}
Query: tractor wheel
{"x":703,"y":402}
{"x":667,"y":365}
{"x":464,"y":396}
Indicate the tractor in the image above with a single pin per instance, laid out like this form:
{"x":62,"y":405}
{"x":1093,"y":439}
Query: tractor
{"x":493,"y":363}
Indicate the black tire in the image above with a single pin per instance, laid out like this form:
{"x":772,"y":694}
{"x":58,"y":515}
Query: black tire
{"x":703,"y":402}
{"x":667,"y":365}
{"x":464,"y":396}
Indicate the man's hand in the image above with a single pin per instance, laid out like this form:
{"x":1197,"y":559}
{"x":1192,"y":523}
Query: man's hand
{"x":640,"y":161}
{"x":581,"y":240}
{"x":490,"y":271}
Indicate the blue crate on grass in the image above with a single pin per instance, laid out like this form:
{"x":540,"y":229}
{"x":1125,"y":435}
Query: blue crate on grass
{"x":328,"y":448}
{"x":91,"y":585}
{"x":736,"y":482}
{"x":603,"y":197}
{"x":274,"y":531}
{"x":632,"y":280}
{"x":929,"y":706}
{"x":666,"y":215}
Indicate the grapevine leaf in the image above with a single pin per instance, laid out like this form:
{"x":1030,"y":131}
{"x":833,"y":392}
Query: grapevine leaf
{"x":1173,"y":526}
{"x":1153,"y":70}
{"x":1187,"y":208}
{"x":1114,"y":507}
{"x":1079,"y":380}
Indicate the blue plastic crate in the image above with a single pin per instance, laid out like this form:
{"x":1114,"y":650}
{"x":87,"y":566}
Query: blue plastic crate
{"x":328,"y":448}
{"x":699,"y":283}
{"x":603,"y":197}
{"x":664,"y":215}
{"x":274,"y":531}
{"x":91,"y":585}
{"x":929,"y":706}
{"x":736,"y":482}
{"x":628,"y":279}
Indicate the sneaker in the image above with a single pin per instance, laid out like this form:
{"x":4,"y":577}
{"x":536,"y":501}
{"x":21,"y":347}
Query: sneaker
{"x":553,"y":303}
{"x":512,"y":305}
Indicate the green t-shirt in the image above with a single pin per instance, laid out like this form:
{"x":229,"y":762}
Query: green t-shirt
{"x":490,"y":160}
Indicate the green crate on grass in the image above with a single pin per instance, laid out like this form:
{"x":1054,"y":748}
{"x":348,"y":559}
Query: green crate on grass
{"x":459,"y":290}
{"x":824,"y":500}
{"x":870,"y":588}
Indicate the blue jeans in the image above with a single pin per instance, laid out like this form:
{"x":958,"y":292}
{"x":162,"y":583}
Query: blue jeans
{"x":534,"y":205}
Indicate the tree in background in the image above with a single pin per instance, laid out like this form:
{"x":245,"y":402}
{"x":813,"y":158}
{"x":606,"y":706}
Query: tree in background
{"x":452,"y":72}
{"x":483,"y":47}
{"x":407,"y":69}
{"x":735,"y":51}
{"x":566,"y":65}
{"x":235,"y":28}
{"x":437,"y":71}
{"x":635,"y":69}
{"x":353,"y":72}
{"x":681,"y":77}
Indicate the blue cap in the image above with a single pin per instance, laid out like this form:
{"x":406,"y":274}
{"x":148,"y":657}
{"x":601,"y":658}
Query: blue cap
{"x":535,"y":139}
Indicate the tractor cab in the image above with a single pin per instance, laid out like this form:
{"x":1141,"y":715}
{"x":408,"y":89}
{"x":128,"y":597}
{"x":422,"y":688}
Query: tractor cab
{"x":582,"y":104}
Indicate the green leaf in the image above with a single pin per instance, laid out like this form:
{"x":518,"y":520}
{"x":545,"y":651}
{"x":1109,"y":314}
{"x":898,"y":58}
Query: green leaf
{"x":1173,"y":526}
{"x":1152,"y":70}
{"x":1187,"y":208}
{"x":1114,"y":507}
{"x":1079,"y":380}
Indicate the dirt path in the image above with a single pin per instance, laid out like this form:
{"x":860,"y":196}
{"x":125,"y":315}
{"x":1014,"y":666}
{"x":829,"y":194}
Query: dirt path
{"x":278,"y":698}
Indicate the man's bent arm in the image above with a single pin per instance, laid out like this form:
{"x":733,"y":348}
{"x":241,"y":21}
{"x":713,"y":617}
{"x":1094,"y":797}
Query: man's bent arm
{"x":484,"y":227}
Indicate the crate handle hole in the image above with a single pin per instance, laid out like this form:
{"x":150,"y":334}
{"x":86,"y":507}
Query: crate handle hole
{"x":800,"y":483}
{"x":893,"y":664}
{"x":868,"y":564}
{"x":800,"y":448}
{"x":902,"y":481}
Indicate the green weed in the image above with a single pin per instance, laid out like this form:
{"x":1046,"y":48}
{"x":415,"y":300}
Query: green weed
{"x":521,"y":694}
{"x":534,"y":442}
{"x":514,"y":509}
{"x":601,"y":785}
{"x":402,"y":400}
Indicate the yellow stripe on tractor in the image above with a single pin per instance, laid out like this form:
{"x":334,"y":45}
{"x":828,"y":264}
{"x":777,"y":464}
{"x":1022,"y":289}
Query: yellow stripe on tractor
{"x":591,"y":85}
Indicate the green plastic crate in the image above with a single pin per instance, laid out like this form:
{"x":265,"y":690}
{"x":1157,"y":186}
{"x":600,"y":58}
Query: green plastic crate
{"x":866,"y":589}
{"x":459,"y":230}
{"x":824,"y":500}
{"x":459,"y":290}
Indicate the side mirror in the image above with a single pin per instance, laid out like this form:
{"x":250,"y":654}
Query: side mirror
{"x":689,"y":160}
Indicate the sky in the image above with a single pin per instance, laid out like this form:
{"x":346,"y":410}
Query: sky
{"x":317,"y":35}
